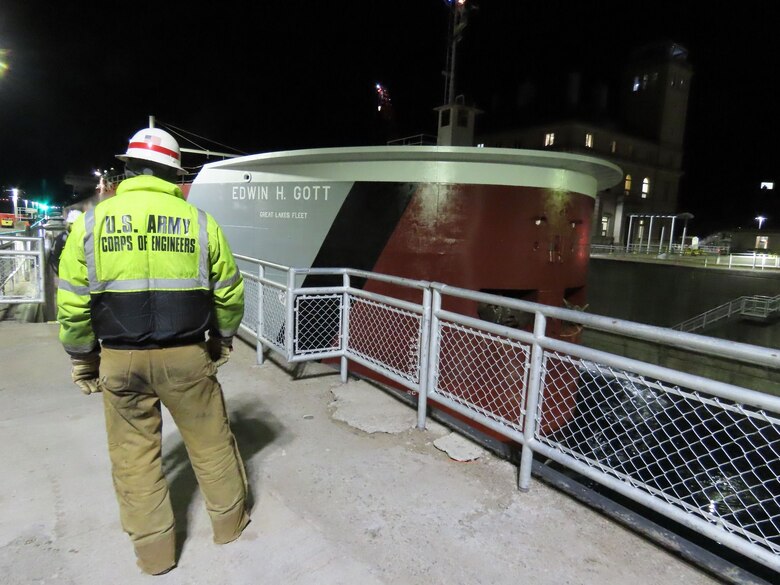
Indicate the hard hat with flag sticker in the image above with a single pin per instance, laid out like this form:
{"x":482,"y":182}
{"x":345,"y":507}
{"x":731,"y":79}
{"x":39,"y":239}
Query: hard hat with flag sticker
{"x":155,"y":145}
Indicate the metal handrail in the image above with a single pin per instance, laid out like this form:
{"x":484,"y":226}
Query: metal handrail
{"x":751,"y":260}
{"x":655,"y":249}
{"x":415,"y":140}
{"x":521,"y":384}
{"x":754,"y":306}
{"x":27,"y":256}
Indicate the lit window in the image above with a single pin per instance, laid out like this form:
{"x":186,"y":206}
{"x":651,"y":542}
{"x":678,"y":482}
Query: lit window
{"x":549,"y":139}
{"x":589,"y":140}
{"x":613,"y":147}
{"x":635,"y":87}
{"x":645,"y":187}
{"x":627,"y":186}
{"x":604,"y":225}
{"x":762,"y":242}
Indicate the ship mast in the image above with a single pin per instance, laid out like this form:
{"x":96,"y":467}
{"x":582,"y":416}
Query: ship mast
{"x":458,"y":21}
{"x":456,"y":119}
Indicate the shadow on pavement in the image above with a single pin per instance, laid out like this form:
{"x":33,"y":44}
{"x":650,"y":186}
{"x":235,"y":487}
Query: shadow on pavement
{"x":253,"y":432}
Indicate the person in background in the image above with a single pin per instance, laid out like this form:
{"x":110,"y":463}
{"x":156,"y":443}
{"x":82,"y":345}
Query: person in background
{"x":144,"y":277}
{"x":58,"y":245}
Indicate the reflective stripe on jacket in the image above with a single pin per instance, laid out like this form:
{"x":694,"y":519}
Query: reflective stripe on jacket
{"x":146,"y":269}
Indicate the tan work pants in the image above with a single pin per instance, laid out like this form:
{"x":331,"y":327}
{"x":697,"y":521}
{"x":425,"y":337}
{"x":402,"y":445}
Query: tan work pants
{"x":134,"y":382}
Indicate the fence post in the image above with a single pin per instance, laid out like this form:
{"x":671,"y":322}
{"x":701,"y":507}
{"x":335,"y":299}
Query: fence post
{"x":433,"y":360}
{"x":424,"y":363}
{"x":531,"y":403}
{"x":27,"y":246}
{"x":42,"y":269}
{"x":259,"y":347}
{"x":345,"y":328}
{"x":289,"y":339}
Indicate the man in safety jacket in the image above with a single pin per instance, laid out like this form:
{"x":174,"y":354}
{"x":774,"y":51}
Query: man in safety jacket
{"x":59,"y":242}
{"x":143,"y":278}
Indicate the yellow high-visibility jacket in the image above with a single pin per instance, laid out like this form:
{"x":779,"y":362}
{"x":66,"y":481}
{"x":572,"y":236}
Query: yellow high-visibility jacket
{"x":145,"y":269}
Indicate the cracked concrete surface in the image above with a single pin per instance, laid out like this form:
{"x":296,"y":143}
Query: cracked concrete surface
{"x":345,"y":490}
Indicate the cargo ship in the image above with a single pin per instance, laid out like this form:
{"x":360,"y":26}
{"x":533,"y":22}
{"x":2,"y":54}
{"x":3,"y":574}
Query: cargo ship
{"x":510,"y":222}
{"x":513,"y":222}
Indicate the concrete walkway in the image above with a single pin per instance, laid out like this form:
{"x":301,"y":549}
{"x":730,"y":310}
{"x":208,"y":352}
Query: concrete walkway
{"x":345,"y":491}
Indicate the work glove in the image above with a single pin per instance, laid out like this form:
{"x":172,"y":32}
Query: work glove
{"x":219,"y":349}
{"x":84,"y":372}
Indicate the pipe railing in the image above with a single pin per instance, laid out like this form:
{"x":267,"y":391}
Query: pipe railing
{"x":21,"y":270}
{"x":752,"y":260}
{"x":657,"y":249}
{"x":756,"y":306}
{"x":699,"y":451}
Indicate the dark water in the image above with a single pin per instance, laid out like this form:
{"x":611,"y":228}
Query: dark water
{"x":718,"y":460}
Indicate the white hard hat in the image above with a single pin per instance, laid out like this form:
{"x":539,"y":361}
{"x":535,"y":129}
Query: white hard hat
{"x":72,"y":215}
{"x":155,"y":145}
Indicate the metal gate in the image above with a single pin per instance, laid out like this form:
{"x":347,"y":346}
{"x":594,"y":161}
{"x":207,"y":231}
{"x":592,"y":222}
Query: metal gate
{"x":21,"y":270}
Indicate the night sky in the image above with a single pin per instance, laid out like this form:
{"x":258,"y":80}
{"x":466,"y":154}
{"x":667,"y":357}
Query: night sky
{"x":286,"y":74}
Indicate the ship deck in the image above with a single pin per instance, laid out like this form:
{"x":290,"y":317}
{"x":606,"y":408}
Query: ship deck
{"x":344,"y":489}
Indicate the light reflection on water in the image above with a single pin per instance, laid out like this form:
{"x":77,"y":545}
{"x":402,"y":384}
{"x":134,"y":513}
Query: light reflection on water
{"x":720,"y":463}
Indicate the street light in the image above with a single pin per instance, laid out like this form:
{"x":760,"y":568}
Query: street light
{"x":685,"y":216}
{"x":15,"y":193}
{"x":760,"y":219}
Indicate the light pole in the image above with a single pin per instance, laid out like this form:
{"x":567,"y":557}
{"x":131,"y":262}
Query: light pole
{"x":15,"y":193}
{"x":685,"y":216}
{"x":760,"y":219}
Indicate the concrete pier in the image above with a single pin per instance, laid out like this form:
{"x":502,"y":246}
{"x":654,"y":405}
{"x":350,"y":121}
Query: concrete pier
{"x":345,"y":491}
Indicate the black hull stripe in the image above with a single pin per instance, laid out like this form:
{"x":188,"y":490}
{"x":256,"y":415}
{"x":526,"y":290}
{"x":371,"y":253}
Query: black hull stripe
{"x":362,"y":228}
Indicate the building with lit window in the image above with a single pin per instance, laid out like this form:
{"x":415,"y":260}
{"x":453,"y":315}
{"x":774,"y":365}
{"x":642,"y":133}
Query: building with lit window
{"x":643,"y":135}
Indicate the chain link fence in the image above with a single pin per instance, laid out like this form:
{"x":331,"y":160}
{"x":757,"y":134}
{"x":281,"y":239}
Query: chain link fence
{"x":265,"y":302}
{"x":317,"y":323}
{"x":702,"y":452}
{"x":483,"y":373}
{"x":714,"y":458}
{"x":388,"y":337}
